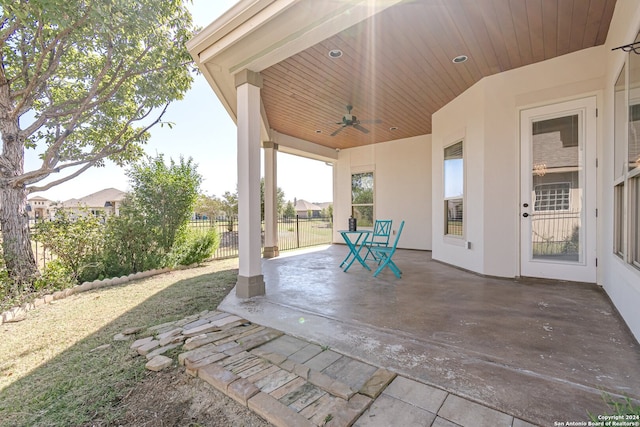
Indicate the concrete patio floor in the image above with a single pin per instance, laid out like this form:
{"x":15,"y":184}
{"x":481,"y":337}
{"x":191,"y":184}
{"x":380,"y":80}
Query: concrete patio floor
{"x":542,"y":351}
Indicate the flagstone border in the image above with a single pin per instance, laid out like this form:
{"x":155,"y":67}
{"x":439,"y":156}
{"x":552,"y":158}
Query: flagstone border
{"x":17,"y":314}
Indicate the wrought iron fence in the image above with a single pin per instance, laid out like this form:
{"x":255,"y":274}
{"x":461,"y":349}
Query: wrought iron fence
{"x":556,"y":233}
{"x":40,"y":252}
{"x":293,"y":233}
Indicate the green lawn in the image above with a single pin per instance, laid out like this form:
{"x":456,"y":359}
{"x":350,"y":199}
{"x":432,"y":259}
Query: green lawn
{"x":52,"y":370}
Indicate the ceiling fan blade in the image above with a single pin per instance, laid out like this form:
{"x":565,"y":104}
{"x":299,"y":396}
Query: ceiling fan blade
{"x":370,"y":121}
{"x":361,"y":129}
{"x":337,"y":131}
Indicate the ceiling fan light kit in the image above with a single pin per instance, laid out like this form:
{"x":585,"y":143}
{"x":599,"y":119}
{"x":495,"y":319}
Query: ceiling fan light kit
{"x":349,"y":120}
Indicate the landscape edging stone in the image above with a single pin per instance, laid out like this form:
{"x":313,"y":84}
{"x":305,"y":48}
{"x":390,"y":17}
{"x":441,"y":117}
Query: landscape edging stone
{"x":18,"y":313}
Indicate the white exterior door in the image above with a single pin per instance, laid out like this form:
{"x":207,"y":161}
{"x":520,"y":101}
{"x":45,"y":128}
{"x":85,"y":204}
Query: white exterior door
{"x":558,"y":188}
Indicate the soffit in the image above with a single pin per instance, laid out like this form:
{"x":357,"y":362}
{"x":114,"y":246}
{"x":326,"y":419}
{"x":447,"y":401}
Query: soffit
{"x":397,"y":65}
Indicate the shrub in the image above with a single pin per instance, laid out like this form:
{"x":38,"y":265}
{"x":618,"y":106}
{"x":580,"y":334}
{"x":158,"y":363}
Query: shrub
{"x":56,"y":275}
{"x":8,"y":292}
{"x":153,"y":217}
{"x":165,"y":194}
{"x":195,"y":247}
{"x":129,"y":245}
{"x":76,"y":242}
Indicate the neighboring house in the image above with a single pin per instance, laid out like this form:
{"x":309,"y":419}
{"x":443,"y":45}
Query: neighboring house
{"x":305,"y":209}
{"x":104,"y":202}
{"x":324,"y":206}
{"x":440,"y":111}
{"x":39,"y":207}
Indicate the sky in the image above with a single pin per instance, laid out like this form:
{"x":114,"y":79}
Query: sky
{"x":202,"y":129}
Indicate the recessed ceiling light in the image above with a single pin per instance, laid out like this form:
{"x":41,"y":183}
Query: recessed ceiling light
{"x":335,"y":53}
{"x":460,"y":59}
{"x":318,"y":131}
{"x":392,"y":128}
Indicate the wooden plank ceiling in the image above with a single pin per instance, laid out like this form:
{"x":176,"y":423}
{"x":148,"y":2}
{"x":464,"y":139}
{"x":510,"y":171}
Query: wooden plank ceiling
{"x":397,"y":66}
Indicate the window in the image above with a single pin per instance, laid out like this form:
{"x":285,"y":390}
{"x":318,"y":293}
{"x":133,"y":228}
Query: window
{"x":362,"y":198}
{"x":618,"y":220}
{"x":454,"y":190}
{"x":626,"y":177}
{"x":634,"y":183}
{"x":552,"y":197}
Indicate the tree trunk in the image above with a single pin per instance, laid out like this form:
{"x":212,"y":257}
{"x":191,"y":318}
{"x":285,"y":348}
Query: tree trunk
{"x":16,"y":242}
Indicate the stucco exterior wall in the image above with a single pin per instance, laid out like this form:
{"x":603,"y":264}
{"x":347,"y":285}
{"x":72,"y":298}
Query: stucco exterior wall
{"x":488,"y":114}
{"x":402,"y":188}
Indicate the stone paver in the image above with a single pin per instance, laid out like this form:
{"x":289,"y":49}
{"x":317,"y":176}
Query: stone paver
{"x":160,"y":350}
{"x":285,"y":345}
{"x":417,"y":394}
{"x":208,"y":360}
{"x":274,"y":381}
{"x":466,"y":413}
{"x":307,"y":352}
{"x":140,"y":342}
{"x":158,"y":363}
{"x":350,"y":411}
{"x":388,"y":411}
{"x":148,"y":347}
{"x":322,"y":360}
{"x":441,"y":422}
{"x":258,"y":339}
{"x":350,"y":371}
{"x":242,"y":390}
{"x":217,"y":376}
{"x":275,"y":412}
{"x":289,"y":387}
{"x":291,"y":382}
{"x":378,"y":382}
{"x":202,"y":329}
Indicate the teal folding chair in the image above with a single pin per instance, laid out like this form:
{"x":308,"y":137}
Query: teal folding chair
{"x":379,"y":237}
{"x":384,"y":256}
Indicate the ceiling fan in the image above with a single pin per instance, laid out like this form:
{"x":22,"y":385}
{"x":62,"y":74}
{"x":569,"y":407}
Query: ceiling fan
{"x":351,"y":120}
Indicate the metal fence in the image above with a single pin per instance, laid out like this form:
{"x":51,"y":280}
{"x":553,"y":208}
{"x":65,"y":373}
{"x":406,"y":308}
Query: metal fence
{"x":556,"y":233}
{"x":40,"y":252}
{"x":293,"y":233}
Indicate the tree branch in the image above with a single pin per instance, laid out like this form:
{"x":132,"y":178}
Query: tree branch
{"x":46,"y":170}
{"x":27,"y":93}
{"x":60,"y":181}
{"x":4,"y":36}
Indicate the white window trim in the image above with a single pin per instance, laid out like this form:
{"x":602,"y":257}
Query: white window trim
{"x":457,"y":240}
{"x":360,"y":170}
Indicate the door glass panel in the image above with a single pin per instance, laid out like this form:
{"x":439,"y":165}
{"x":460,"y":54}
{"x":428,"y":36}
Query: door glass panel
{"x":557,"y":189}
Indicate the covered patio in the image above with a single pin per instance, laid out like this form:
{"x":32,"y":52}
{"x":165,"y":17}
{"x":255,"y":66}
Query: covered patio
{"x":543,"y":351}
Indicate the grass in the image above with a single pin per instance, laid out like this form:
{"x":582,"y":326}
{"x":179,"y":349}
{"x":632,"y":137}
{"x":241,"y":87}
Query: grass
{"x":51,"y":369}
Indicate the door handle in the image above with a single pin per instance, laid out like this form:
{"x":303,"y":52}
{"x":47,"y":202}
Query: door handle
{"x":525,"y":214}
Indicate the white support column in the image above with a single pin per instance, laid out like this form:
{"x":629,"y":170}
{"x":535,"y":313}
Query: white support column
{"x":250,"y":279}
{"x":270,"y":199}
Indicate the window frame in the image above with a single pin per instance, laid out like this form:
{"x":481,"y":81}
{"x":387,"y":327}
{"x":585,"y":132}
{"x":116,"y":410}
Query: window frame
{"x":354,"y":206}
{"x":457,"y":198}
{"x":626,"y":185}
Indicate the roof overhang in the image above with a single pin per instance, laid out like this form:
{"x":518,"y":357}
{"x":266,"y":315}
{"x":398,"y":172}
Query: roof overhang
{"x":256,"y":34}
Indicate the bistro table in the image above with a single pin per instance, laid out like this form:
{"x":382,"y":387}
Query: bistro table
{"x":355,"y":240}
